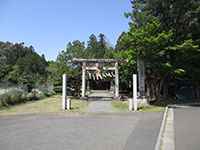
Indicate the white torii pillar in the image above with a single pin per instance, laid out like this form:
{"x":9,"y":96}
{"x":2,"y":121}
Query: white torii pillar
{"x":83,"y":79}
{"x":116,"y":80}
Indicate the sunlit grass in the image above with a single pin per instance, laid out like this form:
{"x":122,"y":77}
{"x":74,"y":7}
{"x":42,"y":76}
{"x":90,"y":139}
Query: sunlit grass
{"x":47,"y":105}
{"x":122,"y":106}
{"x":152,"y":108}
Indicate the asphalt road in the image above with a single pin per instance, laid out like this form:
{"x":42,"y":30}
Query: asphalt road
{"x":128,"y":131}
{"x":187,"y":128}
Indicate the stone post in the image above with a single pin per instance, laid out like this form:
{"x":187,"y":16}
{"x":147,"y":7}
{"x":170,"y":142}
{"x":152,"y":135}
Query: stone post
{"x":130,"y":104}
{"x":68,"y":103}
{"x":116,"y":80}
{"x":64,"y":92}
{"x":83,"y":79}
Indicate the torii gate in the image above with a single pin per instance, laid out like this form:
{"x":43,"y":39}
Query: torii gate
{"x":85,"y":66}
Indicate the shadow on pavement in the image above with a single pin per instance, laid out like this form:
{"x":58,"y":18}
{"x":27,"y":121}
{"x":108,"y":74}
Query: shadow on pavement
{"x":175,"y":102}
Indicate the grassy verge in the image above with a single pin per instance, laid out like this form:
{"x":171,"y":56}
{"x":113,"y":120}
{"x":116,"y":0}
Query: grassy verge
{"x":47,"y":105}
{"x":152,"y":108}
{"x":122,"y":106}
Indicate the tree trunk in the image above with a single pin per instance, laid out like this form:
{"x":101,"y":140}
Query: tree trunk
{"x":141,"y":80}
{"x":148,"y":92}
{"x":165,"y":90}
{"x":196,"y":91}
{"x":141,"y":76}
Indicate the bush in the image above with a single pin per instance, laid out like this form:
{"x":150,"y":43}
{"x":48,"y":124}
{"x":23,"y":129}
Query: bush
{"x":4,"y":98}
{"x":36,"y":95}
{"x":12,"y":97}
{"x":49,"y":93}
{"x":58,"y":89}
{"x":16,"y":96}
{"x":30,"y":97}
{"x":47,"y":89}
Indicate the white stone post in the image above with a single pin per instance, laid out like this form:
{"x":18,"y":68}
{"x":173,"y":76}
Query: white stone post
{"x":64,"y":91}
{"x":83,"y":79}
{"x":130,"y":105}
{"x":68,"y":103}
{"x":135,"y":102}
{"x":116,"y":80}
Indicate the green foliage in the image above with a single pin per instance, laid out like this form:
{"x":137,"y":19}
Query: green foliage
{"x":146,"y":42}
{"x":95,"y":48}
{"x":12,"y":97}
{"x":165,"y":35}
{"x":36,"y":94}
{"x":181,"y":16}
{"x":187,"y":55}
{"x":21,"y":65}
{"x":17,"y":96}
{"x":98,"y":48}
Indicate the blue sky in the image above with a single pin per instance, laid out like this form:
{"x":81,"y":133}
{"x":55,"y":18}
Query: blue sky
{"x":49,"y":25}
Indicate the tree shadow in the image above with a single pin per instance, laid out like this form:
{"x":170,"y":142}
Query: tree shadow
{"x":174,"y":102}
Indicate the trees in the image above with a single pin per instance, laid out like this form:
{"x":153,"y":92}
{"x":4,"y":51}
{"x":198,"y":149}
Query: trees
{"x":21,"y":64}
{"x":147,"y":43}
{"x":163,"y":39}
{"x":95,"y":48}
{"x":98,"y":48}
{"x":181,"y":16}
{"x":28,"y":70}
{"x":92,"y":47}
{"x":64,"y":64}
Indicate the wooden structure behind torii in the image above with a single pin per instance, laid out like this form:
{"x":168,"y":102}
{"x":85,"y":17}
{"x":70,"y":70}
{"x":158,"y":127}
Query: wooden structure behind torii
{"x":85,"y":66}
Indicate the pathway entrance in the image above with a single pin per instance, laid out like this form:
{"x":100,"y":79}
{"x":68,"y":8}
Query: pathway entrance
{"x":100,"y":101}
{"x":100,"y":107}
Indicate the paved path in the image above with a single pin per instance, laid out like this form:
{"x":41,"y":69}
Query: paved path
{"x":144,"y":135}
{"x":86,"y":132}
{"x":100,"y":101}
{"x":187,"y":128}
{"x":100,"y":106}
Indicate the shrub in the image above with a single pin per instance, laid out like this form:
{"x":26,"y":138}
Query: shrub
{"x":12,"y":97}
{"x":49,"y":93}
{"x":41,"y":90}
{"x":15,"y":96}
{"x":36,"y":94}
{"x":30,"y":96}
{"x":47,"y":89}
{"x":58,"y":89}
{"x":4,"y":98}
